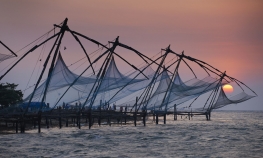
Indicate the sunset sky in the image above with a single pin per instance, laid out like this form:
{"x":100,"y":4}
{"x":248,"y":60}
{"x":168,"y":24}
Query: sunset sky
{"x":227,"y":34}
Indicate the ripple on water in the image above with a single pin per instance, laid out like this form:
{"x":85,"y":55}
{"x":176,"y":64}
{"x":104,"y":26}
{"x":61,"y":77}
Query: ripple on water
{"x":226,"y":135}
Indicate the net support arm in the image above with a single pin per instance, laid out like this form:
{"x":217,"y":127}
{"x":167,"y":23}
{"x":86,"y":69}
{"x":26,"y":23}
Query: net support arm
{"x":51,"y":68}
{"x":134,"y":50}
{"x":42,"y":72}
{"x":202,"y":66}
{"x":80,"y":76}
{"x":134,"y":78}
{"x":200,"y":94}
{"x":31,"y":50}
{"x":8,"y":48}
{"x":131,"y":65}
{"x":83,"y":36}
{"x":77,"y":39}
{"x":244,"y":85}
{"x":140,"y":54}
{"x":189,"y":67}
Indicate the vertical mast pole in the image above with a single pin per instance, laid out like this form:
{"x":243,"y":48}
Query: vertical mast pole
{"x":62,"y":32}
{"x":170,"y":84}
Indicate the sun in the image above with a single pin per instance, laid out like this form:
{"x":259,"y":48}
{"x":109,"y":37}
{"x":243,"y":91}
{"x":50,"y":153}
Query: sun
{"x":228,"y":88}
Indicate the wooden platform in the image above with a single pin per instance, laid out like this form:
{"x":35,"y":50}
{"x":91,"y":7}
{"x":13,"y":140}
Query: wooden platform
{"x":68,"y":118}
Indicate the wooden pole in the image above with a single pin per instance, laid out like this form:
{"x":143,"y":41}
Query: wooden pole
{"x":16,"y":126}
{"x":135,"y":112}
{"x":175,"y":112}
{"x":74,"y":122}
{"x":47,"y":123}
{"x":79,"y":120}
{"x":109,"y":118}
{"x":34,"y":122}
{"x":90,"y":118}
{"x":144,"y":117}
{"x":156,"y":118}
{"x":99,"y":112}
{"x":39,"y":122}
{"x":125,"y":114}
{"x":22,"y":125}
{"x":60,"y":123}
{"x":164,"y":118}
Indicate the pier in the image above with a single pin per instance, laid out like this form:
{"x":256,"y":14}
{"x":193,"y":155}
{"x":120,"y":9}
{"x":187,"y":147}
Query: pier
{"x":63,"y":118}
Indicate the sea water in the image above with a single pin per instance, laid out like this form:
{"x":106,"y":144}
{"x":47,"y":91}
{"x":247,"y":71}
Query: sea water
{"x":228,"y":134}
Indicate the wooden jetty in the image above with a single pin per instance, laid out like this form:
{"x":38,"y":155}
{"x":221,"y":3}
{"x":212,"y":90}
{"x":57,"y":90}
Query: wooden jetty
{"x":74,"y":118}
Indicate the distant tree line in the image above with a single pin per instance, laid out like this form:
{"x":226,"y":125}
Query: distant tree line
{"x":9,"y":95}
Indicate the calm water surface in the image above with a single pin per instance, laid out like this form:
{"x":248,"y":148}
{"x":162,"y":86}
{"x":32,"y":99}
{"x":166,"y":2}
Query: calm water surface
{"x":228,"y":134}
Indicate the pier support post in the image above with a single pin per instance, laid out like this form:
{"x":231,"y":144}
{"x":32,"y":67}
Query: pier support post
{"x":47,"y":123}
{"x":175,"y":112}
{"x":109,"y":120}
{"x":135,"y":112}
{"x":39,"y":122}
{"x":99,"y":118}
{"x":34,"y":122}
{"x":22,"y":125}
{"x":164,"y":118}
{"x":125,"y":115}
{"x":156,"y":118}
{"x":79,"y":120}
{"x":100,"y":112}
{"x":67,"y":122}
{"x":16,"y":126}
{"x":109,"y":116}
{"x":60,"y":123}
{"x":144,"y":117}
{"x":99,"y":121}
{"x":135,"y":118}
{"x":59,"y":119}
{"x":90,"y":118}
{"x":74,"y":121}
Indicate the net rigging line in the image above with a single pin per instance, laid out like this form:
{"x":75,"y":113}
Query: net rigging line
{"x":189,"y":66}
{"x":93,"y":53}
{"x":42,"y":51}
{"x":38,"y":40}
{"x":5,"y":56}
{"x":115,"y":43}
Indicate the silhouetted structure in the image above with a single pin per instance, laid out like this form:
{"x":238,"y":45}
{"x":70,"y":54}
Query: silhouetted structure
{"x":157,"y":92}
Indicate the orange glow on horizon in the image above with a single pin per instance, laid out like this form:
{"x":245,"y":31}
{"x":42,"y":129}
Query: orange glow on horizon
{"x":228,"y":88}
